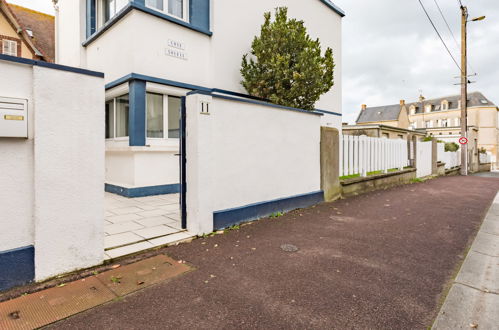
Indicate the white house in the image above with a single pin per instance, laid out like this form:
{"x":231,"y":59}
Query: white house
{"x":153,"y":52}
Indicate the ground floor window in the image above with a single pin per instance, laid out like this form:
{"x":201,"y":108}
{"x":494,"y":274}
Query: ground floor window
{"x":117,"y":111}
{"x":163,"y":111}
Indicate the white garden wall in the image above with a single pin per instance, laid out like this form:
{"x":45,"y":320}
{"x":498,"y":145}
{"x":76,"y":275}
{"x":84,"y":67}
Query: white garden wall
{"x":52,"y":198}
{"x":244,"y":158}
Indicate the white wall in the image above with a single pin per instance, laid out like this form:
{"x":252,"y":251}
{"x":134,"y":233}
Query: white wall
{"x":245,"y":153}
{"x":16,"y":165}
{"x":139,"y":41}
{"x":52,"y":183}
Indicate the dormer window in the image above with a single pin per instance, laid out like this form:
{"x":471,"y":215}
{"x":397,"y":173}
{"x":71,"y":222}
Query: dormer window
{"x":428,"y":108}
{"x":176,"y":8}
{"x":445,"y":105}
{"x":412,"y":110}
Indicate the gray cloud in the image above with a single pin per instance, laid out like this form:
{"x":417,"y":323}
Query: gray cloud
{"x":390,"y":51}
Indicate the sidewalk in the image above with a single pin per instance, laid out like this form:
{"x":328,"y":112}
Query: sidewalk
{"x":473,"y":299}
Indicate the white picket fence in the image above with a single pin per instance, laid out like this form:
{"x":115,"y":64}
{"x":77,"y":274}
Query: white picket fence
{"x":450,"y":158}
{"x":424,"y":158}
{"x":485,"y":158}
{"x":360,"y":155}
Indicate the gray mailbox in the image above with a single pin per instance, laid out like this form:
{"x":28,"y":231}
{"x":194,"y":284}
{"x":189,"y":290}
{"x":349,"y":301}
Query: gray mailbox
{"x":13,"y":117}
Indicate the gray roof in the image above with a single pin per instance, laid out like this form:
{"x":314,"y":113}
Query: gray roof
{"x":391,"y":112}
{"x":384,"y":113}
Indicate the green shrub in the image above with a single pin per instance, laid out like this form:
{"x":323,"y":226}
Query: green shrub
{"x":286,"y":66}
{"x":451,"y":146}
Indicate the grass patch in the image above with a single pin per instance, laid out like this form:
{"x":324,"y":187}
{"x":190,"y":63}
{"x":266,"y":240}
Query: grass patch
{"x":352,"y":176}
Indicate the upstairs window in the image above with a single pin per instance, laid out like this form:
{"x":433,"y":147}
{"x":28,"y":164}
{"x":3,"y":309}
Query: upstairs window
{"x":112,"y":7}
{"x":445,"y":105}
{"x":9,"y":47}
{"x":176,"y":8}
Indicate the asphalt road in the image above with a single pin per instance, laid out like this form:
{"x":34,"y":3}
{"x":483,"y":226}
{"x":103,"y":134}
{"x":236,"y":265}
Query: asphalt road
{"x":376,"y":261}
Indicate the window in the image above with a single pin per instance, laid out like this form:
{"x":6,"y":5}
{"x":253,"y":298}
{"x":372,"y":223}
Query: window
{"x":173,"y":117}
{"x":177,"y":8}
{"x":445,"y":123}
{"x":117,"y":117}
{"x":9,"y":47}
{"x":445,"y":105}
{"x":158,"y":112}
{"x":155,"y":120}
{"x":428,"y":124}
{"x":412,"y":110}
{"x":400,"y":136}
{"x":112,"y":7}
{"x":428,"y":108}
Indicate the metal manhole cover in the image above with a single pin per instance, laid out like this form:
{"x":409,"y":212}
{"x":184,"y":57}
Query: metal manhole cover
{"x":289,"y":248}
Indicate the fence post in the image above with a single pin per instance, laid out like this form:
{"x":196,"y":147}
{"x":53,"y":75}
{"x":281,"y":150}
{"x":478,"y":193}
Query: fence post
{"x":385,"y":154}
{"x":434,"y":157}
{"x":330,"y":163}
{"x":363,"y":152}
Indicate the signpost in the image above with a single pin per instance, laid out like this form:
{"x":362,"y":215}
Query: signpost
{"x":463,"y":141}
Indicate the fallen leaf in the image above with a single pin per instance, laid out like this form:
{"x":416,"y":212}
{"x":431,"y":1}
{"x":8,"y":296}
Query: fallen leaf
{"x":212,"y":276}
{"x":140,"y":282}
{"x":216,"y":245}
{"x":115,"y":266}
{"x":61,"y":285}
{"x":473,"y":325}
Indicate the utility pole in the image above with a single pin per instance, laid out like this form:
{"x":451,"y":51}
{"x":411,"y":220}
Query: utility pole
{"x":464,"y":90}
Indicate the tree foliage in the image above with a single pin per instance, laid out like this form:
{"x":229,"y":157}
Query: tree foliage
{"x":286,"y":66}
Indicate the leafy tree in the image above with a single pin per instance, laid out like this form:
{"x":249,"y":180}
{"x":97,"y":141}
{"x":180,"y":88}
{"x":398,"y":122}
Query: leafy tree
{"x":287,"y":66}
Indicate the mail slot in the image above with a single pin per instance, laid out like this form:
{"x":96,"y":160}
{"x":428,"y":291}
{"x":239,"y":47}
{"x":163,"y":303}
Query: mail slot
{"x":13,"y":117}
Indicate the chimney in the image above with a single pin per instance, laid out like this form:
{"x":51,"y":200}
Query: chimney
{"x":402,"y":102}
{"x":364,"y":107}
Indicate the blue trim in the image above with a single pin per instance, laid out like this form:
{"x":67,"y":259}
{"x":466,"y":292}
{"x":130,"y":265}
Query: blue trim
{"x":267,"y":104}
{"x":334,"y":7}
{"x":128,"y":8}
{"x":143,"y":191}
{"x":195,"y":89}
{"x":199,"y":14}
{"x":226,"y":218}
{"x":91,"y":15}
{"x":137,"y":113}
{"x":48,"y":65}
{"x":139,"y":5}
{"x":17,"y":267}
{"x":329,"y":112}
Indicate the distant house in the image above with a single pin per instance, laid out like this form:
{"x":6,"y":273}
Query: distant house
{"x":441,"y":117}
{"x":26,"y":33}
{"x":382,"y":131}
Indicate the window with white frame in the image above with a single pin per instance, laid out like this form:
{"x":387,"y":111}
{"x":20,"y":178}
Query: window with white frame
{"x":107,"y":9}
{"x":412,"y":110}
{"x":445,"y":123}
{"x":117,"y":111}
{"x":163,"y":111}
{"x":177,"y":8}
{"x":9,"y":47}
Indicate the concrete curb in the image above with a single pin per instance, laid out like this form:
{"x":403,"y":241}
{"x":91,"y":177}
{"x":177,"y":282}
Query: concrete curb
{"x":473,"y":300}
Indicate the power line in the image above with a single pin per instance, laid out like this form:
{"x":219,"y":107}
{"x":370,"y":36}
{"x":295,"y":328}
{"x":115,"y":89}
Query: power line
{"x":439,"y":35}
{"x":450,"y":30}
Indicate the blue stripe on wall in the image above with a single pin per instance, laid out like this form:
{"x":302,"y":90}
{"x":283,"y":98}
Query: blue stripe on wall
{"x":137,"y":113}
{"x":17,"y":267}
{"x":143,"y":191}
{"x":226,"y":218}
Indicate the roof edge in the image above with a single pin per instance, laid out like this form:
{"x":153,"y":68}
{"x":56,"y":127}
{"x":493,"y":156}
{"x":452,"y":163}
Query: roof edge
{"x":334,"y":7}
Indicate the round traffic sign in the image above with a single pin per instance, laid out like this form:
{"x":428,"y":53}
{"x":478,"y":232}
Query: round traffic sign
{"x":463,"y":140}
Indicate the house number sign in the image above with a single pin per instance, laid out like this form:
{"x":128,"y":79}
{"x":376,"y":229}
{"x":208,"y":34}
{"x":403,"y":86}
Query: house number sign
{"x":176,"y":49}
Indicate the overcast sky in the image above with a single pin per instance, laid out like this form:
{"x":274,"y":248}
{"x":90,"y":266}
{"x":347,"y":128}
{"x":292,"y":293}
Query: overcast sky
{"x":390,"y":50}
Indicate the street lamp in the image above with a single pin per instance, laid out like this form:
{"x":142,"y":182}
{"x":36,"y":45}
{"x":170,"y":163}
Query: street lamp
{"x":476,"y":19}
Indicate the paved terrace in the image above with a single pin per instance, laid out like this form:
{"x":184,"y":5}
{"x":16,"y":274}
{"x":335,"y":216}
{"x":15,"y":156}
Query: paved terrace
{"x":383,"y":260}
{"x":136,"y":224}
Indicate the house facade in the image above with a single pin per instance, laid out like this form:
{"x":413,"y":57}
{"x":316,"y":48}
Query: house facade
{"x":441,"y":117}
{"x":26,"y":33}
{"x":153,"y":52}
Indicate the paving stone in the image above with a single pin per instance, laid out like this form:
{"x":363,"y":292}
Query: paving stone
{"x":171,"y":239}
{"x":127,"y":210}
{"x":487,"y":244}
{"x":121,"y":239}
{"x":171,"y":207}
{"x":155,"y":221}
{"x":155,"y":231}
{"x":123,"y":218}
{"x":480,"y":271}
{"x":152,"y":213}
{"x":177,"y":225}
{"x":465,"y":306}
{"x":129,"y":249}
{"x":174,"y":216}
{"x":490,"y":226}
{"x":122,"y":227}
